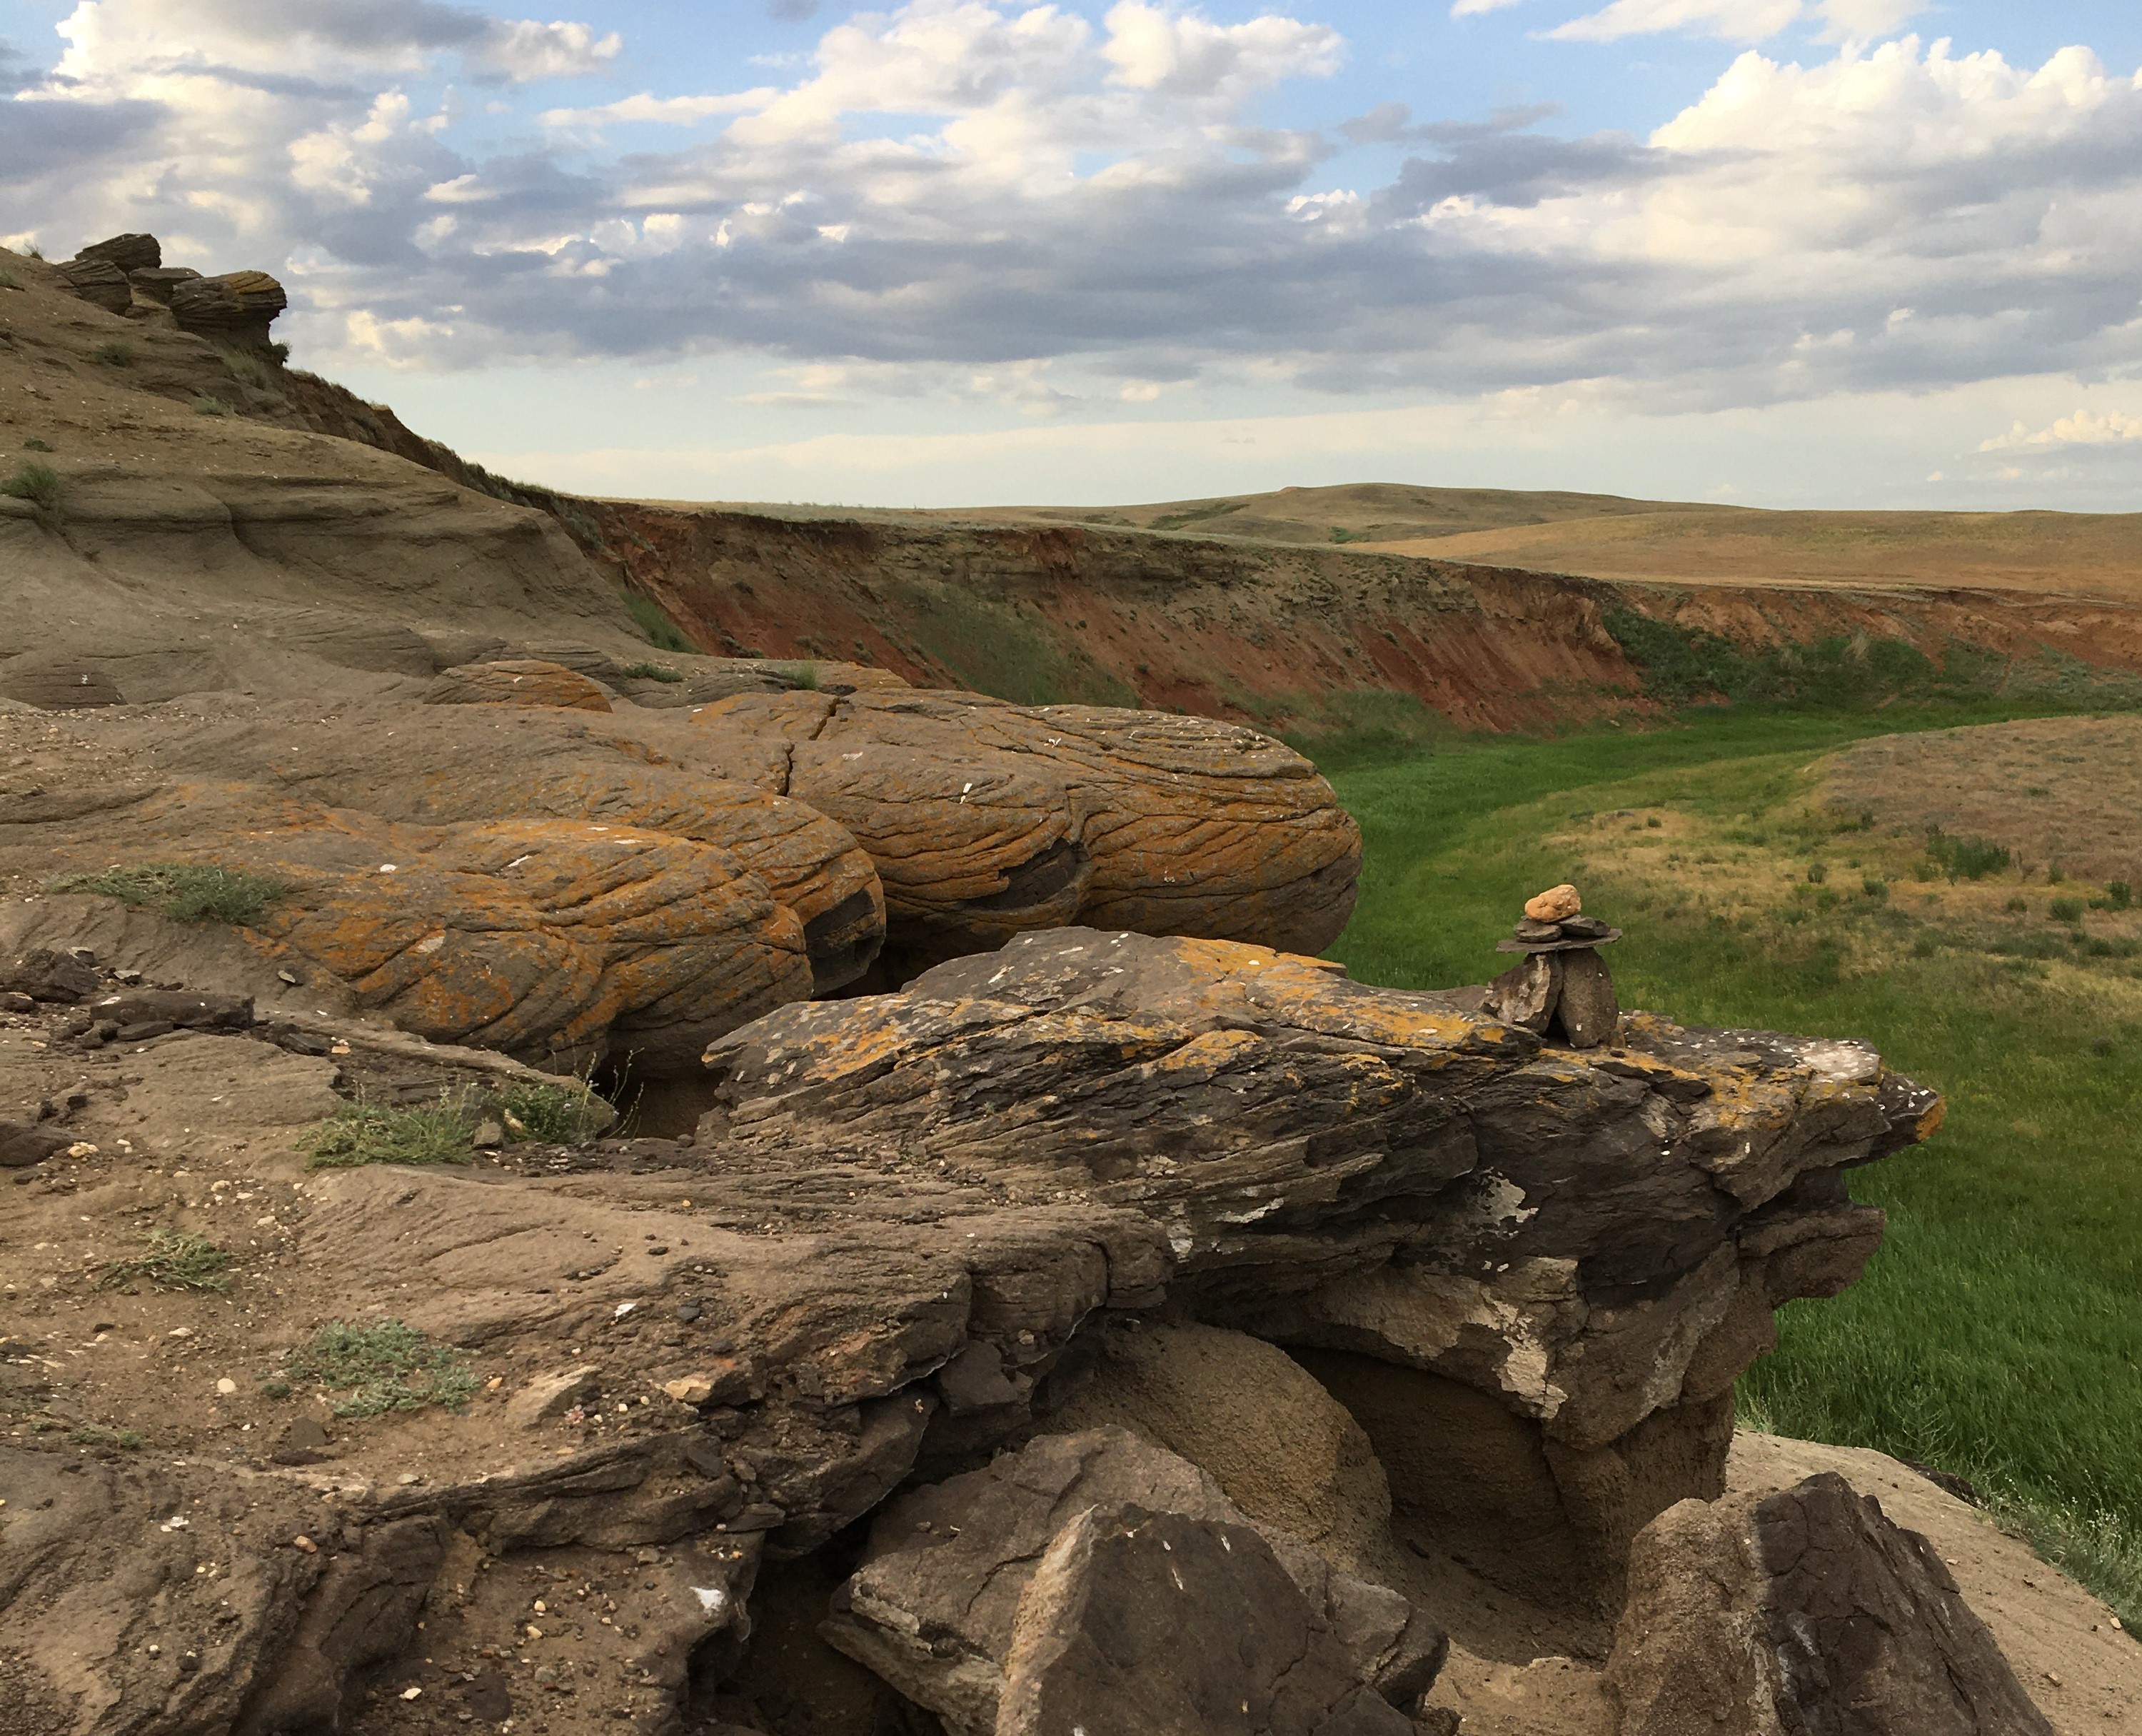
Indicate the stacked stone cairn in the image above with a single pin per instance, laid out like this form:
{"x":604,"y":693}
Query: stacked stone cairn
{"x":1560,"y":988}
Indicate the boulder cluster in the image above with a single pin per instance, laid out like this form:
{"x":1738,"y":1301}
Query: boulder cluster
{"x":127,"y":274}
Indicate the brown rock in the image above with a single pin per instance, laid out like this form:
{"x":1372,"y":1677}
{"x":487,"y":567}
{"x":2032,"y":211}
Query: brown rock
{"x":1804,"y":1610}
{"x":1528,"y":993}
{"x":129,"y":253}
{"x":1588,"y":1013}
{"x":98,"y":282}
{"x":156,"y":284}
{"x":44,"y":974}
{"x":23,"y":1144}
{"x":175,"y":1009}
{"x":939,"y":1604}
{"x":1553,"y":905}
{"x":1147,"y":1623}
{"x":987,"y":819}
{"x":519,"y":683}
{"x":236,"y":308}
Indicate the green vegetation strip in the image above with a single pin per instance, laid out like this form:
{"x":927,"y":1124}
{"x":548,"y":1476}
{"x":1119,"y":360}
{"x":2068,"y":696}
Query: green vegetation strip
{"x":389,"y":1366}
{"x":440,"y":1132}
{"x":1996,"y":1334}
{"x":185,"y":891}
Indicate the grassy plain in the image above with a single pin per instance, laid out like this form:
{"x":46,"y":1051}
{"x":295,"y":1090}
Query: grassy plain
{"x":1998,"y":1334}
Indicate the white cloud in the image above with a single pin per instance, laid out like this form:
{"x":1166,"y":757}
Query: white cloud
{"x":1739,"y":21}
{"x":2085,"y":427}
{"x":1474,"y":8}
{"x":1860,"y":21}
{"x":1185,"y":54}
{"x":991,"y":201}
{"x":666,"y":111}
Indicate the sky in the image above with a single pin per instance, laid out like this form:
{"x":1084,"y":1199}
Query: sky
{"x":1840,"y":253}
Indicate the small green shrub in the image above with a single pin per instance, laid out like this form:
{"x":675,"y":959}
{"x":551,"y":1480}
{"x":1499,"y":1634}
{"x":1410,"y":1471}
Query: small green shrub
{"x":1964,"y":858}
{"x":1874,"y":886}
{"x":2119,"y":895}
{"x":389,"y":1366}
{"x":1925,"y":873}
{"x":245,"y":366}
{"x":39,"y":484}
{"x":1654,"y":824}
{"x":33,"y":251}
{"x":118,"y":353}
{"x":2065,"y":910}
{"x":280,"y":351}
{"x":177,"y":1259}
{"x":558,"y":1115}
{"x":1816,"y":873}
{"x":1827,"y":900}
{"x":186,"y":892}
{"x":8,"y":281}
{"x":210,"y":407}
{"x":1924,"y":946}
{"x":2055,"y":873}
{"x":364,"y":1133}
{"x":662,"y":632}
{"x":1339,"y":534}
{"x":34,"y":445}
{"x":653,"y":672}
{"x":2016,"y":907}
{"x":804,"y":675}
{"x":94,"y":1434}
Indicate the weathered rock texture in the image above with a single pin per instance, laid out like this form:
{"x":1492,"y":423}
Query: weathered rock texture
{"x":1036,"y":1584}
{"x":988,"y":820}
{"x":912,"y":1225}
{"x":516,"y":682}
{"x":1560,"y":1261}
{"x":1804,"y":1610}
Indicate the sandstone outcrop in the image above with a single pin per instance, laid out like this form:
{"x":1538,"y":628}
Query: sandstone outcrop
{"x":516,"y":682}
{"x":1564,"y":1260}
{"x":1806,"y":1609}
{"x":236,"y":308}
{"x":913,"y":1235}
{"x":988,"y":820}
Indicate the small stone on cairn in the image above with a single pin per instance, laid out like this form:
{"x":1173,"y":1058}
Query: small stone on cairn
{"x":1561,"y":987}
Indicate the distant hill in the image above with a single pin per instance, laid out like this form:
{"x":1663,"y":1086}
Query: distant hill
{"x":1607,"y":537}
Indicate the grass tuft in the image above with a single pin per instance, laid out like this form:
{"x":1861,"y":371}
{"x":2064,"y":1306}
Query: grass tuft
{"x":662,"y":632}
{"x":364,"y":1133}
{"x":94,"y":1434}
{"x":210,"y":407}
{"x":389,"y":1366}
{"x":177,"y":1259}
{"x":440,"y":1132}
{"x":804,"y":675}
{"x":34,"y":445}
{"x":39,"y":484}
{"x":652,"y":672}
{"x":185,"y":891}
{"x":118,"y":353}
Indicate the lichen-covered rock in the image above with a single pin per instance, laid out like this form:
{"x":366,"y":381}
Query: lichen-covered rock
{"x":235,"y":308}
{"x":988,"y":820}
{"x":939,"y":1607}
{"x":1590,"y":1244}
{"x":519,"y":682}
{"x":449,"y":763}
{"x":1805,"y":1609}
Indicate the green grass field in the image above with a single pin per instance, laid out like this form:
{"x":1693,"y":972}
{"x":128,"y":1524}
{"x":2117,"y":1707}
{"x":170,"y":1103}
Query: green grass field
{"x":1998,"y":1334}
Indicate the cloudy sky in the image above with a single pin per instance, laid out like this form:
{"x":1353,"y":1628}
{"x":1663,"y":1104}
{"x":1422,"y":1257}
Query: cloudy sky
{"x":1785,"y":252}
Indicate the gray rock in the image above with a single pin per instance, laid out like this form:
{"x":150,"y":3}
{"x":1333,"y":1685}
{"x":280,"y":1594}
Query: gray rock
{"x":22,"y":1144}
{"x":1527,"y":994}
{"x":174,"y":1010}
{"x":1588,"y":1013}
{"x":1805,"y":1610}
{"x":1142,"y":1623}
{"x":98,"y":282}
{"x":44,"y":975}
{"x":935,"y":1608}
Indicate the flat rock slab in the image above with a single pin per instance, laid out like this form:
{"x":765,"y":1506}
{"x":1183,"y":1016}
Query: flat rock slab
{"x":518,"y":683}
{"x":1579,"y":945}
